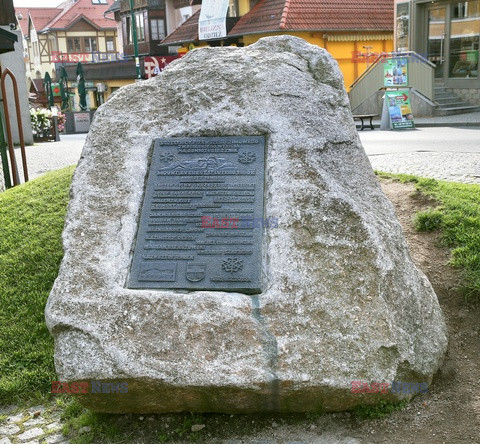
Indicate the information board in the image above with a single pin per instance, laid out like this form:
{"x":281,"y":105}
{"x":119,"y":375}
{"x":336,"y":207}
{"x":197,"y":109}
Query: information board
{"x":399,"y":109}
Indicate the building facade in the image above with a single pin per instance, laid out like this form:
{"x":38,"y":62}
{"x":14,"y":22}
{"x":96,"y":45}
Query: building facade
{"x":355,"y":33}
{"x":75,"y":31}
{"x":447,"y":33}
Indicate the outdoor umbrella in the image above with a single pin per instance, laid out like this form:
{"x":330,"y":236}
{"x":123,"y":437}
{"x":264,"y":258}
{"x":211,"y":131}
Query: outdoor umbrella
{"x":48,"y":89}
{"x":82,"y":93}
{"x":64,"y":88}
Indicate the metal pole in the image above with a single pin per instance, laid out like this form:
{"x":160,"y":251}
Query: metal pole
{"x":135,"y":41}
{"x":55,"y":128}
{"x":3,"y":155}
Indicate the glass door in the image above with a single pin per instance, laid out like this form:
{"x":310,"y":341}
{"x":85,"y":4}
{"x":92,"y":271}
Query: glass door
{"x":436,"y":40}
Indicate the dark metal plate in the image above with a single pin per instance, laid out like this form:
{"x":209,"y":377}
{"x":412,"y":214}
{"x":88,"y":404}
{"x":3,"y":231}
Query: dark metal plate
{"x":202,"y":222}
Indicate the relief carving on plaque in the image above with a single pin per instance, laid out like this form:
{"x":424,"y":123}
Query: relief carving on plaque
{"x":195,"y":272}
{"x":232,"y":265}
{"x":202,"y":163}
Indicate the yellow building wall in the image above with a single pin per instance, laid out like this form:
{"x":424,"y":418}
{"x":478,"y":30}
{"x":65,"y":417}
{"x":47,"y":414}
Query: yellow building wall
{"x":243,"y":6}
{"x":346,"y":53}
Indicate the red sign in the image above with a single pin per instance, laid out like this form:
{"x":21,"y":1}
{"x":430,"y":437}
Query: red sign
{"x":155,"y":65}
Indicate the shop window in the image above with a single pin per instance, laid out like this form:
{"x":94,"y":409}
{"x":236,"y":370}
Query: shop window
{"x":157,"y":27}
{"x":464,"y":39}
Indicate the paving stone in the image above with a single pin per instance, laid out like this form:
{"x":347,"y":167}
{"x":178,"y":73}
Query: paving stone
{"x":9,"y":430}
{"x":54,"y":439}
{"x":54,"y":426}
{"x":16,"y":418}
{"x":33,"y":422}
{"x":30,"y":434}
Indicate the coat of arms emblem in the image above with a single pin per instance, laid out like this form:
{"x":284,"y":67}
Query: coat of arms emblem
{"x":195,"y":272}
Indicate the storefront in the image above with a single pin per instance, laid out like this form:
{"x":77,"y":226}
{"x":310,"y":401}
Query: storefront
{"x":447,"y":33}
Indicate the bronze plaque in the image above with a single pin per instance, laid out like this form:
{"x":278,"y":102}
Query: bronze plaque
{"x":201,"y":225}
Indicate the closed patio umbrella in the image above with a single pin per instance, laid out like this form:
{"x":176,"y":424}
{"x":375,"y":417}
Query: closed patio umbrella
{"x":82,"y":93}
{"x":47,"y":81}
{"x":64,"y":88}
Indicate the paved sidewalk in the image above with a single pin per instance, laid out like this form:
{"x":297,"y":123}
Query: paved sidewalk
{"x":32,"y":425}
{"x":467,"y":119}
{"x":441,"y":153}
{"x":451,"y":154}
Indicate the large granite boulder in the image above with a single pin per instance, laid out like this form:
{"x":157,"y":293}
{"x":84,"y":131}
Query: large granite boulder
{"x":341,"y":301}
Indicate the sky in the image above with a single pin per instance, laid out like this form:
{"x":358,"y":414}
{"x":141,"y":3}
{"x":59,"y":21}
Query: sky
{"x":36,"y":3}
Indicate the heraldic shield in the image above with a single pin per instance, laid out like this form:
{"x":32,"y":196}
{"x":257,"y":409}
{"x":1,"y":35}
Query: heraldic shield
{"x":195,"y":272}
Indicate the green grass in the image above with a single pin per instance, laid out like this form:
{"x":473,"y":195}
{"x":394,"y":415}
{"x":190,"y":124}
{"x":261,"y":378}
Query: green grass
{"x":458,"y":216}
{"x":384,"y":408}
{"x":31,"y":223}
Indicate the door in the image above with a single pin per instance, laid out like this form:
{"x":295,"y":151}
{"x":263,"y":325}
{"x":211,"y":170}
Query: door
{"x":436,"y":40}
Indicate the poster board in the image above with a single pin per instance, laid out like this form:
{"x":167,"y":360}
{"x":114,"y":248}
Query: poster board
{"x":212,"y":20}
{"x":395,"y":72}
{"x":397,"y":112}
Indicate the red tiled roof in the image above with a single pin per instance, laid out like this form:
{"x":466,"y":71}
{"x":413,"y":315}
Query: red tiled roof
{"x":187,"y":32}
{"x":316,"y":15}
{"x":40,"y":17}
{"x":62,"y":18}
{"x":24,"y":22}
{"x":85,"y":8}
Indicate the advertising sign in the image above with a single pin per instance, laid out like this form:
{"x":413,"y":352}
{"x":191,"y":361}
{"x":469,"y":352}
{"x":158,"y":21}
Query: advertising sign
{"x":395,"y":72}
{"x":212,"y":20}
{"x":155,"y":65}
{"x":82,"y":122}
{"x":399,"y":109}
{"x":56,"y":89}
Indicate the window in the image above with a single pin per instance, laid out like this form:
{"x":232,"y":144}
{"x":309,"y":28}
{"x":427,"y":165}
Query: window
{"x":73,"y":45}
{"x":128,"y":29}
{"x":110,"y":44}
{"x":90,"y":44}
{"x":233,"y":8}
{"x":157,"y":27}
{"x":100,"y":2}
{"x":464,"y":40}
{"x":140,"y":26}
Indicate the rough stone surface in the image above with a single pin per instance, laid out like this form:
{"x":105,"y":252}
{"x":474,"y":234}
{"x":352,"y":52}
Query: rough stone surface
{"x":30,"y":434}
{"x":54,"y":439}
{"x":10,"y":429}
{"x":342,"y":300}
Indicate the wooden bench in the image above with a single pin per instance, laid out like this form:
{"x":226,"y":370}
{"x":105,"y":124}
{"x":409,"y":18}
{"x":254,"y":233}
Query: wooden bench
{"x":365,"y":116}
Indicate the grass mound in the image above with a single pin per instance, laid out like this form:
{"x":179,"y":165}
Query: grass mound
{"x":31,"y":224}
